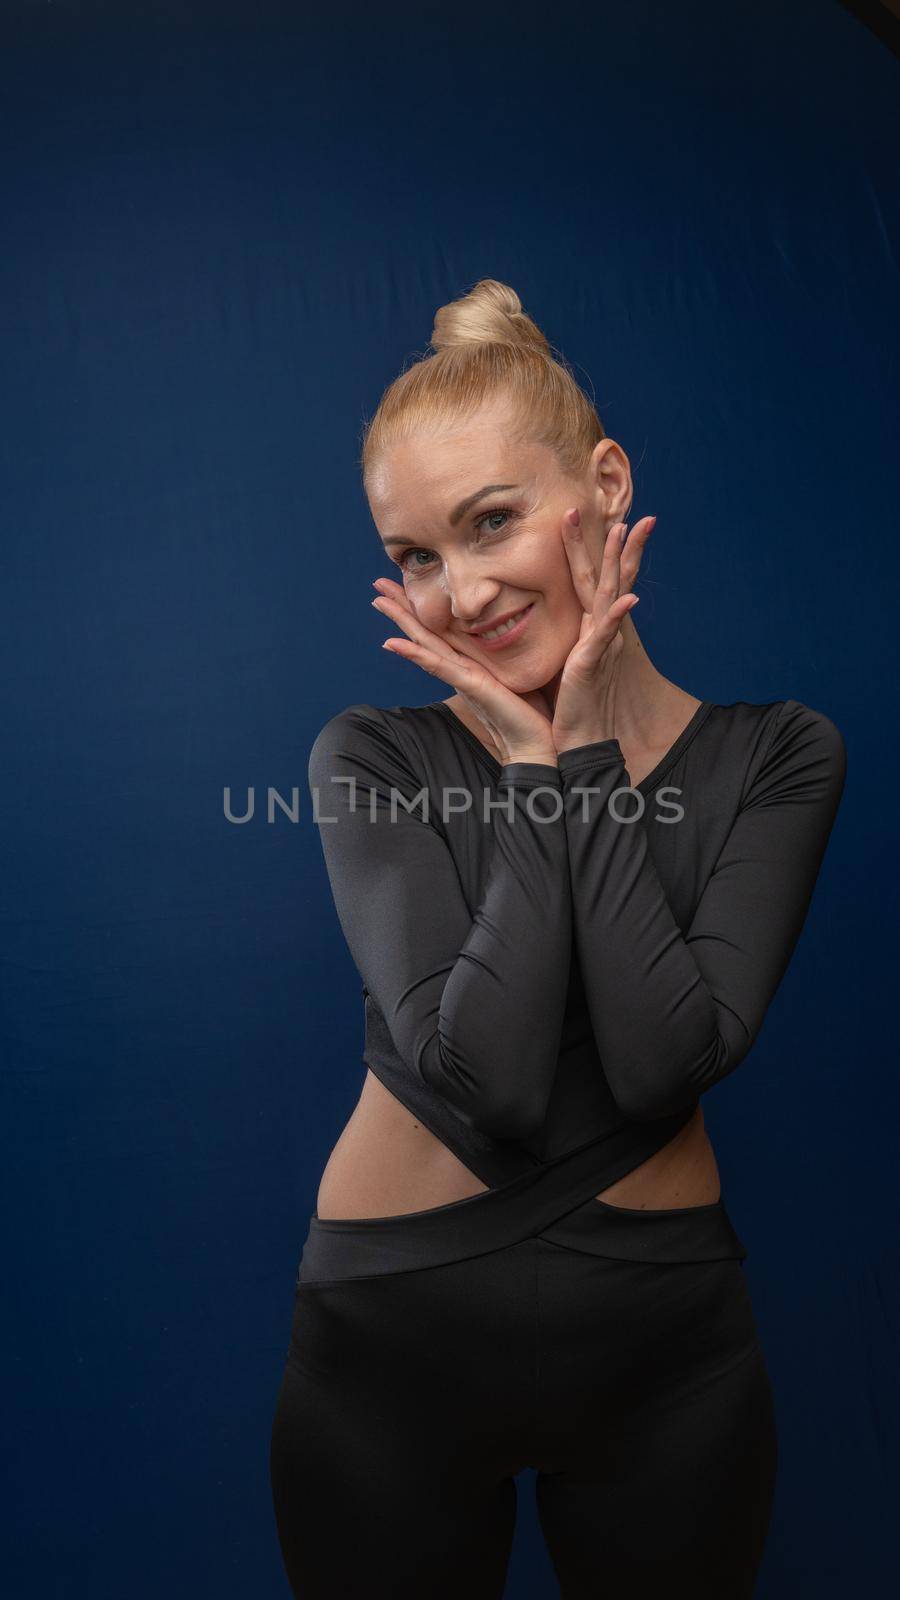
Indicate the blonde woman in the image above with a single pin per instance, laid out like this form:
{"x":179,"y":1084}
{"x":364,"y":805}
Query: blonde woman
{"x":570,"y":889}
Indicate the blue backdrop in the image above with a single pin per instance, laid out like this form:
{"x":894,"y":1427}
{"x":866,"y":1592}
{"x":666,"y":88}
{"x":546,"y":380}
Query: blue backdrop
{"x":226,"y":230}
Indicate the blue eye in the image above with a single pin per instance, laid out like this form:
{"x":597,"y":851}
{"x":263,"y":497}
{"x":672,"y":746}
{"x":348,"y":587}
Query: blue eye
{"x":402,"y":560}
{"x":498,"y":511}
{"x":417,"y":550}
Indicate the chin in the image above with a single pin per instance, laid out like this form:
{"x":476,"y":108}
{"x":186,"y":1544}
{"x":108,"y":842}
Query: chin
{"x":524,"y":679}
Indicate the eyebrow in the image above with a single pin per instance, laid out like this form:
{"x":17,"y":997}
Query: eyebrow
{"x":463,"y":507}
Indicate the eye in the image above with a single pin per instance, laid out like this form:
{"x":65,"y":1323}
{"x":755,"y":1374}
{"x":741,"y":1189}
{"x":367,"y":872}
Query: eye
{"x":411,"y":571}
{"x":402,"y":560}
{"x":498,"y":511}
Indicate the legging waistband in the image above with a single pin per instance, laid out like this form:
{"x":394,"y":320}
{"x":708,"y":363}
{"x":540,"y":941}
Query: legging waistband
{"x":554,"y":1201}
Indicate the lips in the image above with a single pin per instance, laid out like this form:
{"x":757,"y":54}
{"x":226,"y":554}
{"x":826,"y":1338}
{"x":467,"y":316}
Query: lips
{"x":509,"y":635}
{"x":505,"y":616}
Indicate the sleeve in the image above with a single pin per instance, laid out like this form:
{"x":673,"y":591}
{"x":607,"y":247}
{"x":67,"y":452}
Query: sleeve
{"x":673,"y":1014}
{"x":474,"y":1003}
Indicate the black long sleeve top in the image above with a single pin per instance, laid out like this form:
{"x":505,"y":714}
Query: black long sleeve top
{"x":551,"y":955}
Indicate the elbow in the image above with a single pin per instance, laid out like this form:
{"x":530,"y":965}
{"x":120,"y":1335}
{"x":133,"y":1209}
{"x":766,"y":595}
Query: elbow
{"x":651,"y":1096}
{"x":652,"y":1107}
{"x":479,"y":1098}
{"x":645,"y":1092}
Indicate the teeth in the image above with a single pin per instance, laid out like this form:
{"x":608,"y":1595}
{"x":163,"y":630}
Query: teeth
{"x":505,"y":626}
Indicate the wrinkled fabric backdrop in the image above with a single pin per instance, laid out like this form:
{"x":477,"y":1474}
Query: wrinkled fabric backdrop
{"x":226,"y":230}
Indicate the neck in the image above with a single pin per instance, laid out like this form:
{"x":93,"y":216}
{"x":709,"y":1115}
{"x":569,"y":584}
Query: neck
{"x":646,"y":701}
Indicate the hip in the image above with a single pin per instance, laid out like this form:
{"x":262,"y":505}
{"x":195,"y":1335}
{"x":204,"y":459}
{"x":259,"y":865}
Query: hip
{"x":556,"y":1201}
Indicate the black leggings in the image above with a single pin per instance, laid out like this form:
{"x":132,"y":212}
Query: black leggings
{"x":634,"y":1383}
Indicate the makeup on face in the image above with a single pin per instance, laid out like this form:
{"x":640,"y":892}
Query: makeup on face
{"x":492,"y":539}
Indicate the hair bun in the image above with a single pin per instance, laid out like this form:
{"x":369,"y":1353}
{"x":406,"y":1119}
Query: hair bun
{"x":487,"y":351}
{"x":491,"y":313}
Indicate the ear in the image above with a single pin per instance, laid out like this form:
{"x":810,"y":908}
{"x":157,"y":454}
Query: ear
{"x":611,"y":488}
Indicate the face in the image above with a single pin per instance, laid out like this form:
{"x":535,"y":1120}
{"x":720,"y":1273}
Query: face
{"x":466,"y":563}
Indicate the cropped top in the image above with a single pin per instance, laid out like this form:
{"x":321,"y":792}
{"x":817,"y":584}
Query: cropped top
{"x":553,"y":957}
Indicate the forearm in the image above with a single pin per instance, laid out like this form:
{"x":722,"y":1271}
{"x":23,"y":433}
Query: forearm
{"x":660,"y":1037}
{"x":494,"y":1049}
{"x":673,"y":1013}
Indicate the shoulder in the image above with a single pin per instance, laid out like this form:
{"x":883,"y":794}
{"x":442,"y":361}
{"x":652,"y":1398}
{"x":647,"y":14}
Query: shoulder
{"x":359,"y":721}
{"x":806,"y":738}
{"x":776,"y":728}
{"x":780,"y":752}
{"x":801,"y":757}
{"x":366,"y":742}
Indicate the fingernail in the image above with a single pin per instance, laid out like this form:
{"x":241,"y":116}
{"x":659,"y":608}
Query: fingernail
{"x":575,"y":517}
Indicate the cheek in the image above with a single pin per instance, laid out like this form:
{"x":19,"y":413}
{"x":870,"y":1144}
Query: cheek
{"x":559,"y":587}
{"x":547,"y":565}
{"x":427,"y":608}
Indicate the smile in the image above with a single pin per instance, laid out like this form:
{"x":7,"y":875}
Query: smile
{"x":507,"y":632}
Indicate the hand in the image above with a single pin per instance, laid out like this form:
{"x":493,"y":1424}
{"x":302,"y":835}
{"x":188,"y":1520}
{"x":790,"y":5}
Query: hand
{"x":584,"y":711}
{"x":519,"y":724}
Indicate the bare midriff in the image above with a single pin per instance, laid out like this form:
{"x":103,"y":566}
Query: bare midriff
{"x":386,"y":1164}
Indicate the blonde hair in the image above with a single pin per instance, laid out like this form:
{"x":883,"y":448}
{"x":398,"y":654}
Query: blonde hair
{"x":486,"y":348}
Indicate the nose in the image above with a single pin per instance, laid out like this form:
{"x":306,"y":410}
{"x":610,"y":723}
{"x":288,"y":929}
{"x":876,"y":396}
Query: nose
{"x":469,"y":593}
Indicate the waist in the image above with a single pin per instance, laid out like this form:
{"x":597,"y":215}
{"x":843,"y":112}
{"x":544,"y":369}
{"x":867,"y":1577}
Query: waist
{"x":555,"y":1198}
{"x":388,"y":1160}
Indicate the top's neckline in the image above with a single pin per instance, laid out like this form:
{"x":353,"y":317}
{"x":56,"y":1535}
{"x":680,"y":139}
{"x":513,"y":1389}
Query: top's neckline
{"x":667,"y":761}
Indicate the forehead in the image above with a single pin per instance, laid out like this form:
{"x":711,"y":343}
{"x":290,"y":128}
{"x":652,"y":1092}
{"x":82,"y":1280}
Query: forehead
{"x":424,"y":477}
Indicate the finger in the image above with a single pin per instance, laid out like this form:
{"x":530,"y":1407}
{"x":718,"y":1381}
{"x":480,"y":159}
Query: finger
{"x":388,"y":586}
{"x":609,"y":583}
{"x":453,"y":669}
{"x":602,"y":634}
{"x":596,"y":591}
{"x":581,"y":567}
{"x":388,"y":590}
{"x":405,"y":618}
{"x":633,"y":550}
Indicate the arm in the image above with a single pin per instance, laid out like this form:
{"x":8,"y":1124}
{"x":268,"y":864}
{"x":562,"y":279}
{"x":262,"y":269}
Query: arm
{"x":674,"y":1014}
{"x":474,"y":1003}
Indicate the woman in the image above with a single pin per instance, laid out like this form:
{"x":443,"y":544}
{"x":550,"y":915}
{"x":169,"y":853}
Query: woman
{"x":571,"y":890}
